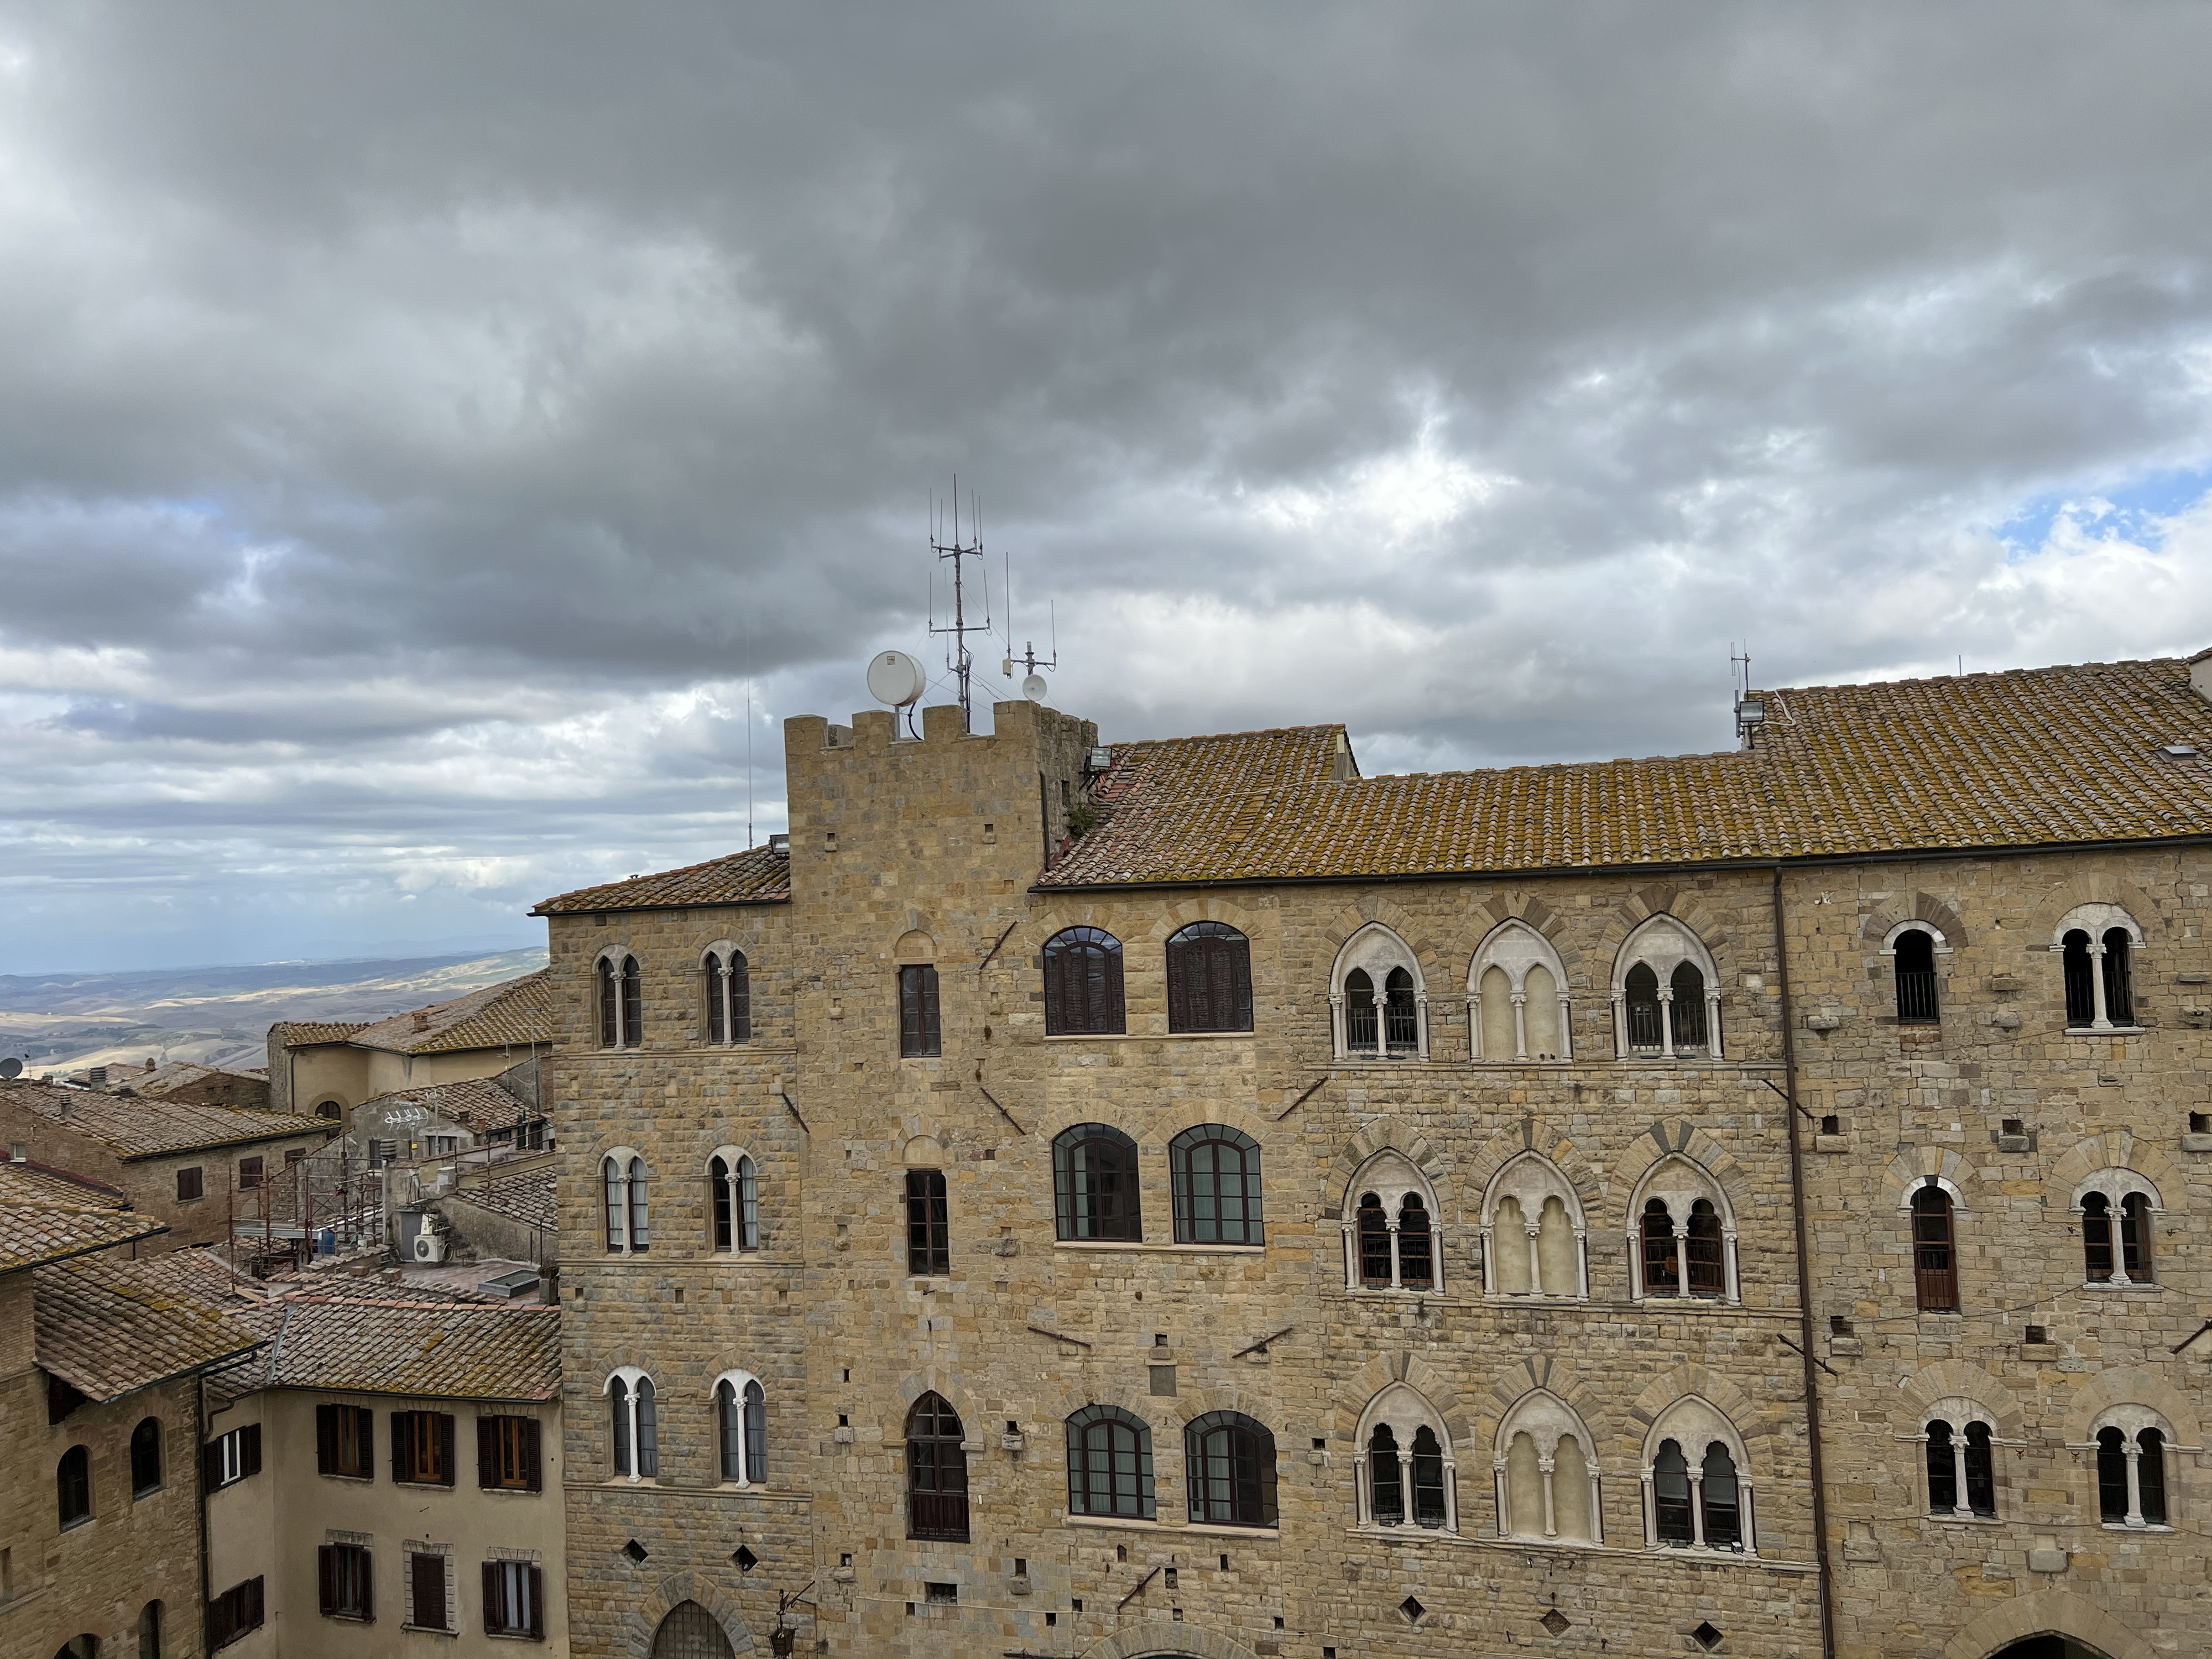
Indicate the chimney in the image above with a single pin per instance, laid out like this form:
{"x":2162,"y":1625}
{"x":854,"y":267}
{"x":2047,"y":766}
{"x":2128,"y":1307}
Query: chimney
{"x":2200,"y":674}
{"x":97,"y":1077}
{"x":421,"y":1019}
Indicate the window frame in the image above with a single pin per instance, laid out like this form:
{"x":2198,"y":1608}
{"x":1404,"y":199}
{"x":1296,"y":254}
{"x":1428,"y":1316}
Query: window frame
{"x":1209,"y":963}
{"x":1390,"y":1177}
{"x":422,"y":1449}
{"x":634,"y":1440}
{"x":510,"y":1452}
{"x":515,"y":1598}
{"x":342,"y":1569}
{"x":1926,"y":1203}
{"x":618,"y":996}
{"x":1662,"y":945}
{"x":336,"y":1424}
{"x":417,"y":1591}
{"x":144,"y":1448}
{"x":921,"y":1018}
{"x":625,"y":1196}
{"x":1231,"y":1498}
{"x":740,"y":1427}
{"x":1083,"y":1480}
{"x":233,"y":1456}
{"x":1372,"y":956}
{"x":195,"y":1176}
{"x":733,"y":1202}
{"x":1914,"y":981}
{"x":73,"y":1487}
{"x":1184,"y":1183}
{"x":928,"y":1227}
{"x":1084,"y":987}
{"x":937,"y":1455}
{"x":1096,"y":1193}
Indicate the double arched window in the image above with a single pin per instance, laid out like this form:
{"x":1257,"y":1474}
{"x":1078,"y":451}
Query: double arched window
{"x":2116,"y":1206}
{"x":1094,"y":1178}
{"x":936,"y":1472}
{"x":624,"y":1176}
{"x":2131,"y":1442}
{"x":1682,"y":1237}
{"x":1209,"y":978}
{"x":1390,"y":1228}
{"x":733,"y":1190}
{"x":1666,"y":993}
{"x":622,"y":1001}
{"x":1533,"y":1238}
{"x":1215,"y":1171}
{"x":1516,"y":998}
{"x":741,"y":1421}
{"x":1935,"y":1248}
{"x":727,"y":981}
{"x":1546,"y":1471}
{"x":1109,"y":1464}
{"x":2096,"y":946}
{"x":1230,"y":1467}
{"x":1083,"y":983}
{"x":1378,"y":1003}
{"x":73,"y":1486}
{"x":1697,"y":1495}
{"x":146,"y":1457}
{"x":1403,"y":1467}
{"x":1962,"y":1478}
{"x":634,"y":1425}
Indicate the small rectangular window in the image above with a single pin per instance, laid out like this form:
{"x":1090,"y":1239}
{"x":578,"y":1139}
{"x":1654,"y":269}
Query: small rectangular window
{"x":345,"y":1442}
{"x":422,"y":1448}
{"x":920,"y":1032}
{"x":514,"y":1599}
{"x":249,"y":1174}
{"x":928,"y":1224}
{"x":342,"y":1571}
{"x":427,"y":1591}
{"x":234,"y":1456}
{"x":233,"y":1613}
{"x":191,"y":1184}
{"x":507,"y":1454}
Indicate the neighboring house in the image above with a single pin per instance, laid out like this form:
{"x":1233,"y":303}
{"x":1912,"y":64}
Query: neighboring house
{"x":409,"y":1479}
{"x":442,"y":1119}
{"x":192,"y":1166}
{"x":99,"y":1538}
{"x":507,"y":1212}
{"x":328,"y":1068}
{"x":198,"y":1085}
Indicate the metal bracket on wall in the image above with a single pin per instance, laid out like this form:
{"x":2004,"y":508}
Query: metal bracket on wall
{"x":795,"y":1111}
{"x":1302,"y":1099}
{"x":1003,"y":1112}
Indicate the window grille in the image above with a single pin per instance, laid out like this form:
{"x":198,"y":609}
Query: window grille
{"x":1688,"y":1012}
{"x":1706,"y":1252}
{"x":1209,"y":978}
{"x":1402,"y":1020}
{"x":1386,"y":1482}
{"x":1416,"y":1257}
{"x":1914,"y":969}
{"x":1359,"y":1013}
{"x":1641,"y":989}
{"x":1662,"y":1269}
{"x":1373,"y":1244}
{"x":1083,"y":983}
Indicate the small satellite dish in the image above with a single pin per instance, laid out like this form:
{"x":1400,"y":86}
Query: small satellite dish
{"x":897,"y":679}
{"x":1033,"y":687}
{"x":11,"y":1068}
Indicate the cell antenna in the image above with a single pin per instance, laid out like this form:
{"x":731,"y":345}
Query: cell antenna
{"x":958,"y":552}
{"x":1750,"y":711}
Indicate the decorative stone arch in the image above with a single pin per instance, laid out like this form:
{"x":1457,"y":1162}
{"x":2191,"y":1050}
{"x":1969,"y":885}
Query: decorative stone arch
{"x":734,"y":1160}
{"x":1392,"y":1177}
{"x":2047,"y":1613}
{"x":1918,"y":1165}
{"x":925,"y":1149}
{"x":1948,"y":1385}
{"x":1406,"y":1411}
{"x":2097,"y":917}
{"x":1376,"y":949}
{"x":914,"y":947}
{"x":642,"y":1623}
{"x":1663,"y":942}
{"x":1530,"y":1181}
{"x":1547,"y":1421}
{"x":2135,"y":1387}
{"x":1174,"y":918}
{"x":624,"y":1158}
{"x":1939,"y":941}
{"x":946,"y":1387}
{"x":1679,"y":1180}
{"x":1700,"y":1383}
{"x":1922,"y":910}
{"x":1413,"y":1371}
{"x":1506,"y":965}
{"x":1385,"y":1134}
{"x":2114,"y":1152}
{"x":1174,"y":1641}
{"x":1693,"y":1422}
{"x":1156,"y":1132}
{"x":737,"y":1378}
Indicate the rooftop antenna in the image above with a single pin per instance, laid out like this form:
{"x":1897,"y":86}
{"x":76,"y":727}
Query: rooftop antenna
{"x":959,"y":659}
{"x":1750,"y":711}
{"x":748,"y":731}
{"x":1033,"y":684}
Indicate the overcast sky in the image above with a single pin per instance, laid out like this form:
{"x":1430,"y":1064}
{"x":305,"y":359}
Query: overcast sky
{"x":422,"y":425}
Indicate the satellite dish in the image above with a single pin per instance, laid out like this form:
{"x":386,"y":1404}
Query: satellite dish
{"x":1033,"y":687}
{"x":897,"y":679}
{"x":11,"y":1068}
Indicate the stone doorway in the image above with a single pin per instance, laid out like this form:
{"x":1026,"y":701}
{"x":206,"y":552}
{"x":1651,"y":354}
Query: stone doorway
{"x":690,"y":1631}
{"x":2048,"y":1647}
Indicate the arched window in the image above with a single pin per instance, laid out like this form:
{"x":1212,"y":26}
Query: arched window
{"x":936,"y":1472}
{"x":2119,"y":981}
{"x":1402,"y":1465}
{"x":150,"y":1631}
{"x":1981,"y":1469}
{"x":1378,"y":1252}
{"x":2096,"y":946}
{"x":2135,"y":1237}
{"x":1666,"y":993}
{"x":1670,"y":1487}
{"x":1109,"y":1464}
{"x":1961,"y":1469}
{"x":635,"y":1425}
{"x":1697,"y":1494}
{"x":733,"y":1186}
{"x":1389,"y":1220}
{"x":2117,"y":1208}
{"x":2131,"y":1468}
{"x":1945,"y":1457}
{"x":1684,"y":1237}
{"x":1094,"y":1179}
{"x":741,"y":1414}
{"x":1377,"y":1002}
{"x":1083,"y":983}
{"x":1935,"y":1257}
{"x":1209,"y":978}
{"x":1533,"y":1238}
{"x":1723,"y":1513}
{"x":1915,"y":968}
{"x":2081,"y":975}
{"x":1547,"y":1480}
{"x":624,"y":1176}
{"x":1215,"y":1173}
{"x":1416,"y":1257}
{"x":1230,"y":1470}
{"x":1516,"y":1005}
{"x":728,"y":985}
{"x":1705,"y":1256}
{"x":73,"y":1486}
{"x":1662,"y":1270}
{"x":1387,"y":1504}
{"x":146,"y":1457}
{"x":622,"y":1001}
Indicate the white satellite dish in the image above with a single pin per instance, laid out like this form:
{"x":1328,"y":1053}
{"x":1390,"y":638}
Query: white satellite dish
{"x":897,"y":679}
{"x":1033,"y":687}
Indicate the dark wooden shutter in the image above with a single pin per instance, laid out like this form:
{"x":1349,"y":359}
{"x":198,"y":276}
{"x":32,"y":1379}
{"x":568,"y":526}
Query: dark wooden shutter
{"x":430,"y":1591}
{"x":487,"y":1451}
{"x":211,"y":1464}
{"x":537,"y":1600}
{"x":494,"y":1614}
{"x":400,"y":1444}
{"x":326,"y":1567}
{"x":249,"y":1451}
{"x":530,"y":1454}
{"x":254,"y":1608}
{"x":366,"y":1421}
{"x":326,"y":1439}
{"x":445,"y":1448}
{"x":367,"y":1582}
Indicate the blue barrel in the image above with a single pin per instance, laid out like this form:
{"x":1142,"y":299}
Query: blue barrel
{"x":326,"y":1241}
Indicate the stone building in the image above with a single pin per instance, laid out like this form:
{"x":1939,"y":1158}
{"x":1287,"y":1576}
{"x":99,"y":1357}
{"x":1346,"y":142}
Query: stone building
{"x":329,"y":1067}
{"x":1187,"y":1198}
{"x":195,"y":1167}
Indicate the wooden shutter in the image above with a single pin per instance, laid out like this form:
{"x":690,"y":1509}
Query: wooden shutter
{"x":367,"y":1582}
{"x":430,"y":1591}
{"x":494,"y":1614}
{"x":487,"y":1451}
{"x":249,"y":1452}
{"x":211,"y":1464}
{"x":327,"y":1440}
{"x":445,"y":1448}
{"x":529,"y":1455}
{"x":400,"y":1444}
{"x":253,"y":1608}
{"x":364,"y":1421}
{"x":326,"y":1565}
{"x":537,"y":1599}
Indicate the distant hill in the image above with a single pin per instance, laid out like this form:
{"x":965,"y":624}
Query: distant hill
{"x":220,"y":1016}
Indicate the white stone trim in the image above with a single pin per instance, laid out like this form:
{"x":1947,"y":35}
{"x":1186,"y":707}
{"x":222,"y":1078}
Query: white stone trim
{"x":1514,"y":948}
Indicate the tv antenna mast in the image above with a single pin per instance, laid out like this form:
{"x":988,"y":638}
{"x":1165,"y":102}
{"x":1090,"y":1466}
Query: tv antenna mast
{"x":961,"y":660}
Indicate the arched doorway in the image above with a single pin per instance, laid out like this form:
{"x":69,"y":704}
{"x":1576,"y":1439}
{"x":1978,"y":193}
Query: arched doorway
{"x":2048,"y":1647}
{"x":690,"y":1631}
{"x":79,"y":1647}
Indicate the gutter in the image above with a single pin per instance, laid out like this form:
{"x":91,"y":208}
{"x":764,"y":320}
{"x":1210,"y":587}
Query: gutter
{"x":1816,"y":1470}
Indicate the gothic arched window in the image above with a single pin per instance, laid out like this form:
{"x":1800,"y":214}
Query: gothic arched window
{"x":73,"y":1486}
{"x":729,"y":996}
{"x":733,"y":1186}
{"x":625,"y":1179}
{"x":635,"y":1423}
{"x":1935,"y":1254}
{"x":1914,"y":968}
{"x":741,"y":1415}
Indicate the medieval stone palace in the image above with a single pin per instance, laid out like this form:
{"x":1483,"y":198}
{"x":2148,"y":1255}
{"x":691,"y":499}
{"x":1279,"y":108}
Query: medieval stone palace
{"x":1186,"y":1198}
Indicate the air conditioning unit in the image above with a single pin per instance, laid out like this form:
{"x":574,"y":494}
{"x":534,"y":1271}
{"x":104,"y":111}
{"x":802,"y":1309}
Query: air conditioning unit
{"x":428,"y":1246}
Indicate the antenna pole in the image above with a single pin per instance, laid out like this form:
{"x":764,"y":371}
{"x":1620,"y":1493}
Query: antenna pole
{"x":957,"y":551}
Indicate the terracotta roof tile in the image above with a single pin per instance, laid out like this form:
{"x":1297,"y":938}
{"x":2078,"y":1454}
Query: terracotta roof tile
{"x":758,"y":877}
{"x":304,"y":1033}
{"x":478,"y":1104}
{"x":404,"y":1346}
{"x":525,"y":1195}
{"x":109,"y":1328}
{"x":2024,"y":758}
{"x":134,"y":1127}
{"x":49,"y":1216}
{"x":512,"y":1014}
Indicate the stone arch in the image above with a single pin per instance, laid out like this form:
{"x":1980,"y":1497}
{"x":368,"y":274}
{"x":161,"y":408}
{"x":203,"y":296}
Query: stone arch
{"x":1518,"y":904}
{"x":1406,"y":1411}
{"x":1374,"y":910}
{"x":925,"y":1150}
{"x":1594,"y":1407}
{"x":1174,"y":918}
{"x":1918,"y":1165}
{"x":1664,"y":944}
{"x":1661,"y":899}
{"x":1947,"y":1380}
{"x":1681,"y":1182}
{"x":643,"y":1623}
{"x":1532,"y":1502}
{"x":1386,"y":1134}
{"x":1685,"y":1381}
{"x":1401,"y":1187}
{"x":1520,"y":1198}
{"x":1518,"y":1006}
{"x":2130,"y":1385}
{"x":1885,"y":921}
{"x":2115,"y":1149}
{"x":2051,"y":1611}
{"x":947,"y":1388}
{"x":1189,"y":1641}
{"x":914,"y":945}
{"x":1378,"y":950}
{"x":1407,"y":1370}
{"x":2092,"y":889}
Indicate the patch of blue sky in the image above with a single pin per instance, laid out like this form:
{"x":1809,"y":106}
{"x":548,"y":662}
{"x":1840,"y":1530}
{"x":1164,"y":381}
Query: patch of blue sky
{"x":2135,"y":511}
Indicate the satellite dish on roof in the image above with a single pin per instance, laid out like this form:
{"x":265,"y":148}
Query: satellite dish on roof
{"x":1033,"y":687}
{"x":11,"y":1068}
{"x":896,"y":678}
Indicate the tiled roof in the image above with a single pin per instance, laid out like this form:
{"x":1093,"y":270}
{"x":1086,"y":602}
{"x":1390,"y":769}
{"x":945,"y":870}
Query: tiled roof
{"x":478,"y":1104}
{"x":2024,"y":758}
{"x":525,"y":1195}
{"x":512,"y":1014}
{"x":134,"y":1127}
{"x":248,"y":1088}
{"x":45,"y":1216}
{"x":758,"y":877}
{"x":449,"y":1350}
{"x":109,"y":1327}
{"x":304,"y":1033}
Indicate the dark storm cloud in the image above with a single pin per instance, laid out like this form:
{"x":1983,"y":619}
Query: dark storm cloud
{"x":422,"y":426}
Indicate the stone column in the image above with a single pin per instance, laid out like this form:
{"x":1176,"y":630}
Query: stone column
{"x":1535,"y":1256}
{"x":1960,"y":1505}
{"x":1520,"y":1025}
{"x":1582,"y":1261}
{"x":1363,"y":1495}
{"x":2133,"y":1454}
{"x":1566,"y":1032}
{"x":2103,"y":1022}
{"x":1697,"y":1506}
{"x":1451,"y":1492}
{"x":1713,"y":1021}
{"x":1650,"y":1512}
{"x":1735,"y":1291}
{"x":1666,"y":1021}
{"x":1474,"y":1026}
{"x":1545,"y":1464}
{"x":1394,"y":1284}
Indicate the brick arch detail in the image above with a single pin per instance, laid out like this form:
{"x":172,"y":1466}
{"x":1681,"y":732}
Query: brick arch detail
{"x":1683,"y":1380}
{"x":2051,"y":1611}
{"x":2115,"y":1149}
{"x":1417,"y":1373}
{"x":641,"y":1625}
{"x":1170,"y":1641}
{"x":1955,"y":1379}
{"x":2130,"y":1385}
{"x":1875,"y":925}
{"x":1910,"y":1168}
{"x":946,"y":1387}
{"x":1209,"y":907}
{"x":1436,"y":962}
{"x":1659,"y":900}
{"x":1385,"y":1134}
{"x":1164,"y":1127}
{"x":2090,"y":888}
{"x":1520,"y":904}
